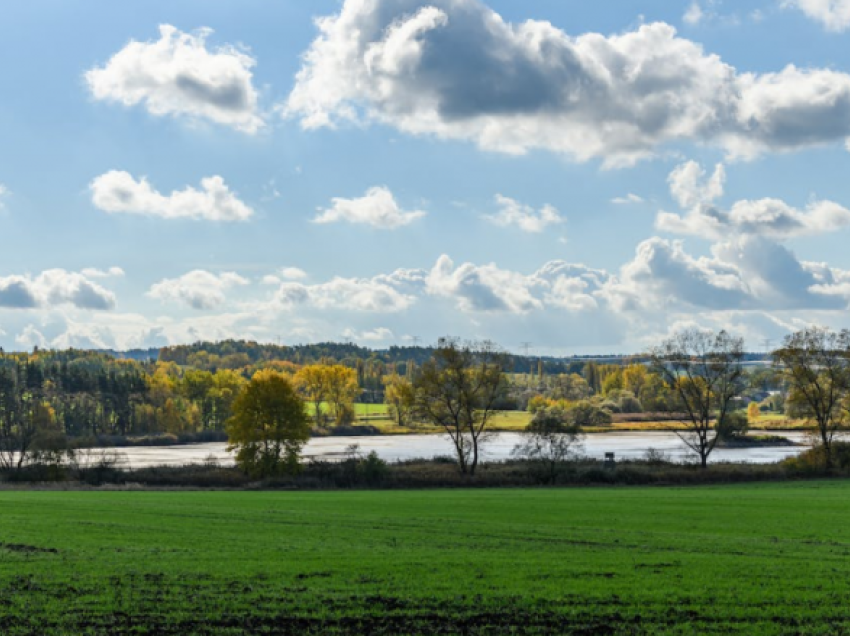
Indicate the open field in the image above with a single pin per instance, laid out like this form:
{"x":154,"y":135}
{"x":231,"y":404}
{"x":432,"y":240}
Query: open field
{"x":755,"y":559}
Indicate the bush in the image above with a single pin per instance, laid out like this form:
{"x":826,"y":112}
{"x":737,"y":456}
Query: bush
{"x":733,"y":425}
{"x":372,"y":469}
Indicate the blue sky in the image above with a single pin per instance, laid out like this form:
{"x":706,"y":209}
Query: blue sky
{"x":587,"y":177}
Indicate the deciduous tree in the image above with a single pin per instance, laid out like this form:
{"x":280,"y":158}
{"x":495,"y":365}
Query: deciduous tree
{"x":269,"y":426}
{"x":703,"y":373}
{"x":815,"y":362}
{"x":457,"y":390}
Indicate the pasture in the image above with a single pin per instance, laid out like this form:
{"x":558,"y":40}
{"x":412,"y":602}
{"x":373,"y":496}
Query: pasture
{"x":746,"y":559}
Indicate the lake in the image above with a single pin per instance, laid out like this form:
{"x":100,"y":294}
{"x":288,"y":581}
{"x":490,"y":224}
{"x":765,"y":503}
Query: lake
{"x":401,"y":447}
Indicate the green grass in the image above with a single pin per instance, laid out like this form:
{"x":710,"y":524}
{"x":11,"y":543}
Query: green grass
{"x":755,"y":559}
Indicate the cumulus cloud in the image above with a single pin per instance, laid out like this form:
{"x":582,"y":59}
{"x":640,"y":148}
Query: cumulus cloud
{"x":524,"y":217}
{"x":118,"y":192}
{"x":197,"y":289}
{"x":287,"y":273}
{"x":690,"y":185}
{"x":51,"y":288}
{"x":4,"y":192}
{"x":662,"y":272}
{"x":765,"y":218}
{"x":832,"y":14}
{"x":178,"y":75}
{"x":377,"y":208}
{"x":357,"y":294}
{"x":482,"y":288}
{"x":455,"y":69}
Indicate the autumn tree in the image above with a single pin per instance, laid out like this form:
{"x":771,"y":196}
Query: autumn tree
{"x":753,"y":412}
{"x":457,"y":390}
{"x":815,"y":363}
{"x":703,"y":373}
{"x":400,"y":397}
{"x":269,"y":426}
{"x":342,"y":390}
{"x":312,"y":381}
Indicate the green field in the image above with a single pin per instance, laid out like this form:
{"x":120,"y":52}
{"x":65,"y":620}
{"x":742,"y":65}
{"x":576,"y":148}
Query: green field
{"x":755,"y":559}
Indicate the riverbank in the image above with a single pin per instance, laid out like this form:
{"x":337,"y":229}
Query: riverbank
{"x":358,"y":470}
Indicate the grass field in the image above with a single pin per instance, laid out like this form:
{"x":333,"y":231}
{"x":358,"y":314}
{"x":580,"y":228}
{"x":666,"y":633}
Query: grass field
{"x":755,"y":559}
{"x":519,"y":420}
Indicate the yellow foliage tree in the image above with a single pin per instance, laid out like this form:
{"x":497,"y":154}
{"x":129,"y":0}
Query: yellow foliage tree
{"x":269,"y":426}
{"x":753,"y":412}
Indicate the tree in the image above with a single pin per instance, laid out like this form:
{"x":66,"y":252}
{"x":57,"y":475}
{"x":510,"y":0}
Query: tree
{"x":753,"y":412}
{"x":342,"y":389}
{"x":313,"y":383}
{"x":269,"y":426}
{"x":703,"y":372}
{"x":815,"y":363}
{"x":732,"y":425}
{"x":586,"y":414}
{"x":635,"y":378}
{"x":23,"y":414}
{"x":551,"y":439}
{"x":400,"y":396}
{"x":457,"y":390}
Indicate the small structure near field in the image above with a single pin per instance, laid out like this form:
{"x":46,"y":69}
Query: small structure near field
{"x":610,"y":462}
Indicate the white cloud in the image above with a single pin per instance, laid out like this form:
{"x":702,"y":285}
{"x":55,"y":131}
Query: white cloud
{"x":118,"y":192}
{"x":52,"y":288}
{"x":112,"y":272}
{"x":482,"y":288}
{"x":30,"y":338}
{"x":454,"y":69}
{"x":524,"y":217}
{"x":694,"y":14}
{"x":287,"y":273}
{"x":4,"y":192}
{"x":197,"y":289}
{"x":663,"y":274}
{"x":357,"y":294}
{"x":832,"y":14}
{"x":377,"y":208}
{"x":766,"y":218}
{"x":380,"y":334}
{"x":177,"y":75}
{"x":690,"y":185}
{"x":628,"y":199}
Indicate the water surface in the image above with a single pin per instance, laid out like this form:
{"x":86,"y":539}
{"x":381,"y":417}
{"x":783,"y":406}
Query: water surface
{"x":392,"y":448}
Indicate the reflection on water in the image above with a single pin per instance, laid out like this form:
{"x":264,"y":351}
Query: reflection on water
{"x":393,"y":448}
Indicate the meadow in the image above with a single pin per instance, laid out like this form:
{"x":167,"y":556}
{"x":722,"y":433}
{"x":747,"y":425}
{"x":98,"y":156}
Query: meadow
{"x":743,"y":559}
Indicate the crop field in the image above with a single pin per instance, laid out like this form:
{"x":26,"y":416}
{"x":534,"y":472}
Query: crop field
{"x":755,"y":559}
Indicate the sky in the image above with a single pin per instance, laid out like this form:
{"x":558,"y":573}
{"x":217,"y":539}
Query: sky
{"x":583,"y":177}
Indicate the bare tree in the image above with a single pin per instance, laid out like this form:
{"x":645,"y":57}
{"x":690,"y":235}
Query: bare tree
{"x":815,"y":362}
{"x":703,"y":373}
{"x":457,"y":390}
